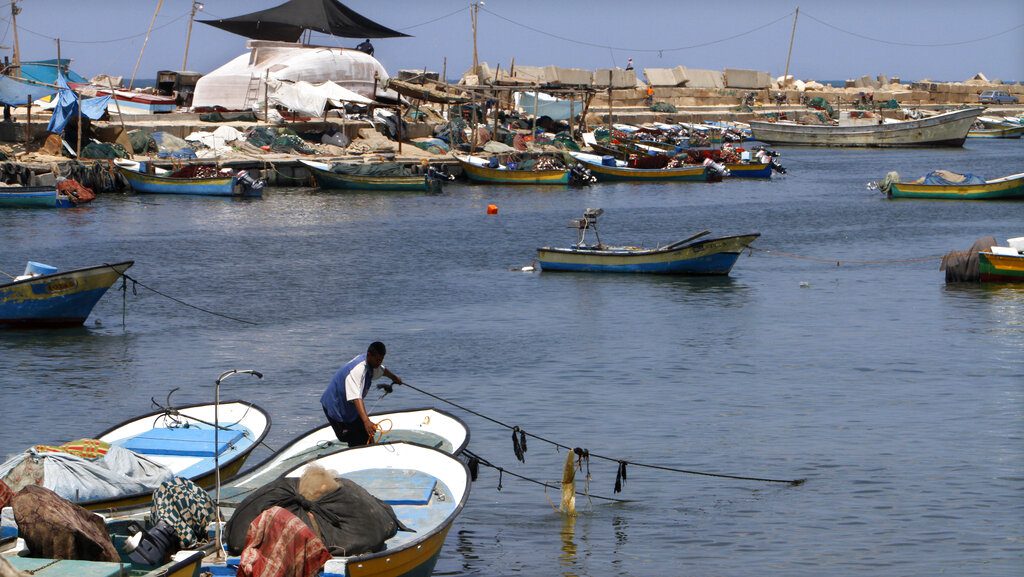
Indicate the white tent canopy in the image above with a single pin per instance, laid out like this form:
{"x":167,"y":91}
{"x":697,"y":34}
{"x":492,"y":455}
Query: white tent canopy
{"x":242,"y":83}
{"x":311,"y":99}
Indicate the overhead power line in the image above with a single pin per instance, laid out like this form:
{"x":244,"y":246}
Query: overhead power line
{"x":912,"y":44}
{"x":65,"y":41}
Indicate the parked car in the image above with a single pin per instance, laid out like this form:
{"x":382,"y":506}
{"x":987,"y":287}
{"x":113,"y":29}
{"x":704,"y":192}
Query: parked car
{"x":997,"y":97}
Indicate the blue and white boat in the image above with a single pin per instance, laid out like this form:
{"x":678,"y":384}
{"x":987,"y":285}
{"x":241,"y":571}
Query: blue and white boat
{"x":44,"y":297}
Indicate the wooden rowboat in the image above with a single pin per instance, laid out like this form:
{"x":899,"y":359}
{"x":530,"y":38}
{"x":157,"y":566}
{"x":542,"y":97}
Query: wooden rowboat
{"x":687,"y":173}
{"x":947,"y":129}
{"x":56,"y":299}
{"x":1003,"y":264}
{"x":1007,"y":187}
{"x":236,"y":184}
{"x":427,"y":427}
{"x":326,"y":178}
{"x":33,"y":197}
{"x":426,"y":488}
{"x":658,"y":154}
{"x":690,"y":256}
{"x":477,"y":170}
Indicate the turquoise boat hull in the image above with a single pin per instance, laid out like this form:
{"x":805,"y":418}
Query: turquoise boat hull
{"x":143,"y":183}
{"x":33,"y":197}
{"x":56,"y":300}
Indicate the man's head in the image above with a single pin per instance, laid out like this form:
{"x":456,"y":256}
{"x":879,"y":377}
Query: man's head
{"x":375,"y":354}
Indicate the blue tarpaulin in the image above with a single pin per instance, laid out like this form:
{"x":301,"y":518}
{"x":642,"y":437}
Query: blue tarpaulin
{"x":15,"y":93}
{"x":45,"y":71}
{"x":946,"y":178}
{"x":67,"y":106}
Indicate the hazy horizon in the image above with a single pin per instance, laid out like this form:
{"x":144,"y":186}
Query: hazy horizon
{"x":833,"y":41}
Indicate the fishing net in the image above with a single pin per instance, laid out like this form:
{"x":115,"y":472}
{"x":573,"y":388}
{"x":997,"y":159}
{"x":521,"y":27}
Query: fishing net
{"x":964,"y":265}
{"x":104,"y":150}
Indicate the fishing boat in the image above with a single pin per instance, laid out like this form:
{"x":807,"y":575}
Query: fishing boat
{"x":1002,"y":264}
{"x":758,"y":163}
{"x":370,"y":177}
{"x":121,"y":467}
{"x":619,"y":170}
{"x":426,"y":488}
{"x":948,"y":185}
{"x":34,"y":197}
{"x":480,"y":170}
{"x":182,"y":181}
{"x":124,"y":102}
{"x":946,"y":129}
{"x":44,"y":297}
{"x":426,"y":427}
{"x":995,"y":127}
{"x":690,"y":256}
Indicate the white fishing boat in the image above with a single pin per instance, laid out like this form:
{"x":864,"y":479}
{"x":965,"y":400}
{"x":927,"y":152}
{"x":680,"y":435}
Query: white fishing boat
{"x":947,"y":129}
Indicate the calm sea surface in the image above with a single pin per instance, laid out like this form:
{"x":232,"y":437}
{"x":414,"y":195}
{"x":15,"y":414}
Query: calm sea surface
{"x":898,"y":398}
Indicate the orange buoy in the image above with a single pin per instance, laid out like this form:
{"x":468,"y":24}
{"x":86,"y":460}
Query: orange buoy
{"x":492,"y":209}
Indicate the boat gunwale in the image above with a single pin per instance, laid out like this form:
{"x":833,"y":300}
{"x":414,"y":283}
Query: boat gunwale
{"x":96,"y":504}
{"x":130,"y":263}
{"x":668,"y":249}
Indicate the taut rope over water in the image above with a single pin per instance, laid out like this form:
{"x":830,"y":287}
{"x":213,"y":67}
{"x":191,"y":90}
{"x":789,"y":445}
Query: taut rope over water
{"x":135,"y":282}
{"x":621,"y":462}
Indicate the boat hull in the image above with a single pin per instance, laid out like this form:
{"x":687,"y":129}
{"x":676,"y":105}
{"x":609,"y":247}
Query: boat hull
{"x":56,"y":300}
{"x":338,"y":181}
{"x":1009,"y":188}
{"x":752,"y":170}
{"x":1007,"y":132}
{"x":690,"y":173}
{"x":1001,"y":268}
{"x":153,"y":184}
{"x":949,"y":129}
{"x":33,"y":197}
{"x":709,"y":257}
{"x":498,"y":176}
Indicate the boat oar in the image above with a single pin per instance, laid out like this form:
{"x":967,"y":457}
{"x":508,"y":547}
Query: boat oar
{"x":691,"y":238}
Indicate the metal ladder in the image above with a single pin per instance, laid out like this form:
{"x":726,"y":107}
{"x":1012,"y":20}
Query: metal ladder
{"x":252,"y":93}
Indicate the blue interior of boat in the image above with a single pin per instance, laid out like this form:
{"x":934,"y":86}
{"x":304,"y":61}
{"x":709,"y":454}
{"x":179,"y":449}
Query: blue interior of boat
{"x":404,"y":488}
{"x":65,"y":568}
{"x":191,"y":441}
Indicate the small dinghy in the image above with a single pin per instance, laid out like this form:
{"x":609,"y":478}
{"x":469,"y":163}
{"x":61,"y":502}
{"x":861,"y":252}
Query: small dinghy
{"x":122,"y":466}
{"x":417,"y":492}
{"x":690,"y":256}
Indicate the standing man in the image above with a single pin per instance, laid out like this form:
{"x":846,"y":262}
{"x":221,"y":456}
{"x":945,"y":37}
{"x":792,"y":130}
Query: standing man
{"x":365,"y":46}
{"x":343,"y":400}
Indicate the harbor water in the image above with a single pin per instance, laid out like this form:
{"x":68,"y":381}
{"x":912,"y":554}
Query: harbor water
{"x":834,"y":353}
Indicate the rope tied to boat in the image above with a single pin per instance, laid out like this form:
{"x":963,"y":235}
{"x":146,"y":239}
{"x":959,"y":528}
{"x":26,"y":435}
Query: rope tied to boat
{"x":476,"y":460}
{"x":523,"y":434}
{"x":125,"y":277}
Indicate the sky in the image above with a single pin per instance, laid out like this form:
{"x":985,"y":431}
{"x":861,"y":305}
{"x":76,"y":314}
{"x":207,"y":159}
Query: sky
{"x":835,"y":40}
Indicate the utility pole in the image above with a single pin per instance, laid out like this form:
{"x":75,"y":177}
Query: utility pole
{"x":792,"y":35}
{"x":16,"y":57}
{"x":196,"y":7}
{"x":474,"y":13}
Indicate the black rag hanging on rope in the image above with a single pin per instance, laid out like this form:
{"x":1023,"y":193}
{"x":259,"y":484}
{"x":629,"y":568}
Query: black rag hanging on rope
{"x":474,"y":461}
{"x":620,"y":477}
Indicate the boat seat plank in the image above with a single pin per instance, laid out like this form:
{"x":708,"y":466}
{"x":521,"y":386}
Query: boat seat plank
{"x":405,"y":488}
{"x":183,"y":441}
{"x":65,"y":568}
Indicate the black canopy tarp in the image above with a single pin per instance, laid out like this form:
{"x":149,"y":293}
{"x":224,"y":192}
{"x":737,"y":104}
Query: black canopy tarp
{"x":287,"y":22}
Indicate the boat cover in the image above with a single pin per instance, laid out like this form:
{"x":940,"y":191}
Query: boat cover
{"x":279,"y":544}
{"x":947,"y":178}
{"x":67,"y":106}
{"x":377,"y":169}
{"x":53,"y":528}
{"x":288,"y":21}
{"x":116,"y":473}
{"x":351,"y":521}
{"x":311,"y":99}
{"x":185,"y":507}
{"x":6,"y":494}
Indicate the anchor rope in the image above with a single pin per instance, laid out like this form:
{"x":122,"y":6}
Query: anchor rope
{"x":177,"y":300}
{"x":503,"y":471}
{"x":519,"y":433}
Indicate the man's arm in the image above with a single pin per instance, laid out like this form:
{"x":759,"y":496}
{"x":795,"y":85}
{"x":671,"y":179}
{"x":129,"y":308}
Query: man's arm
{"x":394,"y":378}
{"x":367,"y":423}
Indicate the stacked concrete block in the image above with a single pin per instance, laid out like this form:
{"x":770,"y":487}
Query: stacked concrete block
{"x":747,"y":79}
{"x":698,"y":78}
{"x":528,"y":74}
{"x":661,"y":77}
{"x":567,"y":76}
{"x":619,"y":78}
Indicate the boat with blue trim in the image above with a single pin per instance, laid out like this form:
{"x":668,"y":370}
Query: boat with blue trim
{"x":44,"y":297}
{"x":693,"y":255}
{"x":191,"y":179}
{"x":943,"y":184}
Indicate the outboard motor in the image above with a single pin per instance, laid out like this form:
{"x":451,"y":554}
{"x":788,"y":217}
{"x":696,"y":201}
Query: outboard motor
{"x":249,"y":183}
{"x":770,"y":157}
{"x":580,"y":175}
{"x":153,"y":546}
{"x":716,"y":170}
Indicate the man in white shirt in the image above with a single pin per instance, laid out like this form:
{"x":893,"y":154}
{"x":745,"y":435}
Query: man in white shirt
{"x":343,"y":400}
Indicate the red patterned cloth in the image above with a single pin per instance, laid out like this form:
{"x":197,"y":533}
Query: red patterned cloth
{"x":6,"y":494}
{"x":279,"y":544}
{"x":91,"y":449}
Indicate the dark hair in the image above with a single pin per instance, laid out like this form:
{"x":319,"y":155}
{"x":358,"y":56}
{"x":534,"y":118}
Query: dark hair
{"x":377,"y":347}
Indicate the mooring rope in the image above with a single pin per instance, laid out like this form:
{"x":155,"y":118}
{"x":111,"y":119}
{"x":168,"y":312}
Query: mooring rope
{"x":476,"y":460}
{"x":839,"y":261}
{"x":519,"y":446}
{"x":135,"y":282}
